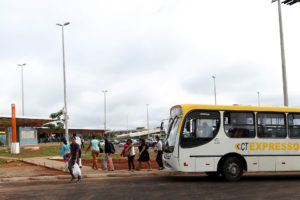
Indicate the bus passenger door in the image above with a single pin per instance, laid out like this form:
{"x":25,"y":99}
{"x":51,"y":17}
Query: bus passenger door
{"x":197,"y":139}
{"x":186,"y":162}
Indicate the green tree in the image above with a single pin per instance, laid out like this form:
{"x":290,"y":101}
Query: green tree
{"x":6,"y":123}
{"x":58,"y":124}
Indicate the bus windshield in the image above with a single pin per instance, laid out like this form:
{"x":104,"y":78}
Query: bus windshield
{"x":171,"y":139}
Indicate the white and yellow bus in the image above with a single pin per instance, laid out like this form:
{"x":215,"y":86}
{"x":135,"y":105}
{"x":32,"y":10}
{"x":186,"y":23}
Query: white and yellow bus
{"x":228,"y":140}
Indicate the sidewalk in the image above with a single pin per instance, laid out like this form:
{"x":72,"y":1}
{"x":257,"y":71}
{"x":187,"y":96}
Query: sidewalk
{"x":87,"y":172}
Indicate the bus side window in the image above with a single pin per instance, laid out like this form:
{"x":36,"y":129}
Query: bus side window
{"x":239,"y":124}
{"x":294,"y":125}
{"x":271,"y":125}
{"x":200,"y":127}
{"x":204,"y":128}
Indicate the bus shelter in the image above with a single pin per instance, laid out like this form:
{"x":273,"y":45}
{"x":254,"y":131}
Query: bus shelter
{"x":26,"y":129}
{"x":46,"y":135}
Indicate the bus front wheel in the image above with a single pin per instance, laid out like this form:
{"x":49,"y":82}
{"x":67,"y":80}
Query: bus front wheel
{"x":232,"y":169}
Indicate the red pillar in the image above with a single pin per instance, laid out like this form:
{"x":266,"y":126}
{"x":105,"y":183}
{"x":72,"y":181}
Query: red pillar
{"x":13,"y":123}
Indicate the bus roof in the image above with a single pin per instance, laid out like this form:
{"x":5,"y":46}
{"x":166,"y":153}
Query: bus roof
{"x":188,"y":107}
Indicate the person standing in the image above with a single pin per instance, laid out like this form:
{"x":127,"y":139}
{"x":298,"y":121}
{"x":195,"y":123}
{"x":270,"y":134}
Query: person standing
{"x":144,"y":154}
{"x":95,"y":148}
{"x":108,"y":149}
{"x":74,"y":158}
{"x":82,"y":142}
{"x":130,"y":153}
{"x":159,"y":153}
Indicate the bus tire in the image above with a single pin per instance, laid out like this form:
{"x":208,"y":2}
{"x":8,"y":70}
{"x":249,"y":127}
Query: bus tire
{"x":212,"y":174}
{"x":232,"y":169}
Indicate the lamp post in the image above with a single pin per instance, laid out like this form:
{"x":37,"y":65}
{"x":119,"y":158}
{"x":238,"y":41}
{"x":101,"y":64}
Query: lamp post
{"x":258,"y":99}
{"x":127,"y":123}
{"x":215,"y":91}
{"x":147,"y":116}
{"x":65,"y":110}
{"x":284,"y":79}
{"x":104,"y":92}
{"x":290,"y":2}
{"x":22,"y":65}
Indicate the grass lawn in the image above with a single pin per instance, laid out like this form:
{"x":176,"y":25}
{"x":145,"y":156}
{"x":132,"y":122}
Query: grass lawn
{"x":2,"y":161}
{"x":27,"y":153}
{"x":54,"y":151}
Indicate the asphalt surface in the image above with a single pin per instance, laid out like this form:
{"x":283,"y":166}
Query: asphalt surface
{"x":158,"y":188}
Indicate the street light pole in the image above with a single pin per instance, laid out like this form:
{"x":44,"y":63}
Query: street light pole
{"x":284,"y":79}
{"x":127,"y":123}
{"x":65,"y":110}
{"x":147,"y":116}
{"x":104,"y":92}
{"x":22,"y":65}
{"x":215,"y":91}
{"x":258,"y":99}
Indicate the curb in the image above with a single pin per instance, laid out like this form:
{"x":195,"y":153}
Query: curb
{"x":41,"y":165}
{"x":88,"y":176}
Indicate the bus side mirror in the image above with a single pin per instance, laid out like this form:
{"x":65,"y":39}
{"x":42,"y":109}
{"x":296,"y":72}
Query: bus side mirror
{"x":188,"y":126}
{"x":162,"y":126}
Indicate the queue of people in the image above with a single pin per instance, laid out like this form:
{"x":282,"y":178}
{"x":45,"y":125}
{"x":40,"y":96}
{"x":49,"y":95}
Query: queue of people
{"x":72,"y":154}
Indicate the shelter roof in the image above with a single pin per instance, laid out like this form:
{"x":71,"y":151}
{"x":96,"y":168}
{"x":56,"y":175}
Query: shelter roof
{"x":71,"y":131}
{"x":141,"y":133}
{"x":24,"y":121}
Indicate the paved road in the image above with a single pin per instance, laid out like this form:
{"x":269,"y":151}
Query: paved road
{"x":158,"y":188}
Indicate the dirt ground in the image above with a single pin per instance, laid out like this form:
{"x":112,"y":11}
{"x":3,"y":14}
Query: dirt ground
{"x":21,"y":169}
{"x":120,"y":164}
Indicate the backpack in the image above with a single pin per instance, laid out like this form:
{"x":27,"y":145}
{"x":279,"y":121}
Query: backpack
{"x":112,"y":148}
{"x":67,"y":150}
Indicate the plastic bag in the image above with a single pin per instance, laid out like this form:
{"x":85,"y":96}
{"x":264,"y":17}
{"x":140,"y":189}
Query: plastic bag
{"x":76,"y":170}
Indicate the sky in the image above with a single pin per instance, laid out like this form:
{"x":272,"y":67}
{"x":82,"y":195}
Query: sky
{"x":158,"y":52}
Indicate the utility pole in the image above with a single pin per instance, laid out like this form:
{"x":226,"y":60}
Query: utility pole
{"x":104,"y":92}
{"x":147,"y":116}
{"x":22,"y":65}
{"x":284,"y":79}
{"x":215,"y":91}
{"x":65,"y":110}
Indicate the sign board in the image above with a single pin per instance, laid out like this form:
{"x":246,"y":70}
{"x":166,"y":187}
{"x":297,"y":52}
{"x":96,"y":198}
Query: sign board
{"x":27,"y":134}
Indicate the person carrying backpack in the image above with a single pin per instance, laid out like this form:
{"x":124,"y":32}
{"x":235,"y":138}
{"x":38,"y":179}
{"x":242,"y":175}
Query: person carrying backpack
{"x":65,"y":149}
{"x":108,"y":149}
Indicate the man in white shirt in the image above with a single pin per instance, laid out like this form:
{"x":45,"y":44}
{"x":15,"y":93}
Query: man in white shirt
{"x":159,"y":151}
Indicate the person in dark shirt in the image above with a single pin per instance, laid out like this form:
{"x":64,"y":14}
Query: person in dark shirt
{"x":75,"y":148}
{"x":109,"y":149}
{"x":144,"y":155}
